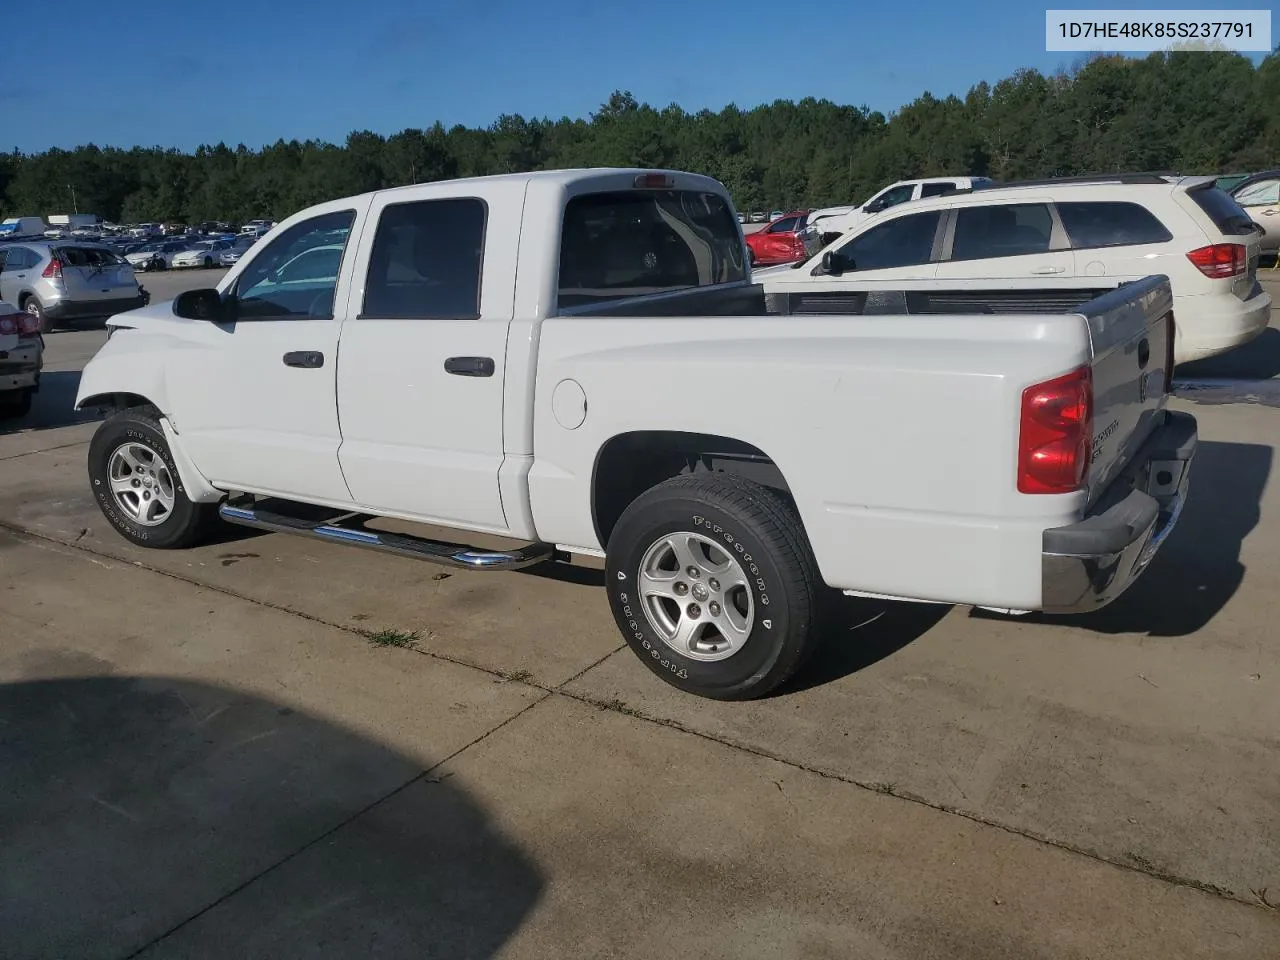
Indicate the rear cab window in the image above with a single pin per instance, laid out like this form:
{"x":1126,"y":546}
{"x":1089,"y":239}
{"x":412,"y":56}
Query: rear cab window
{"x":936,"y":189}
{"x":634,"y":243}
{"x":1227,"y":215}
{"x":1110,"y":224}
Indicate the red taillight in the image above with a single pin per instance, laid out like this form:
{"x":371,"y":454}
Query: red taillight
{"x":1054,"y":434}
{"x":1219,"y":260}
{"x":9,"y":323}
{"x":54,"y":270}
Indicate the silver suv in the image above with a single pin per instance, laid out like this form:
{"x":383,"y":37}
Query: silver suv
{"x":61,"y":281}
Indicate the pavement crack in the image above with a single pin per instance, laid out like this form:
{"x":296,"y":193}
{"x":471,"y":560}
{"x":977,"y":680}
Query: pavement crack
{"x":32,"y":453}
{"x":1144,"y":867}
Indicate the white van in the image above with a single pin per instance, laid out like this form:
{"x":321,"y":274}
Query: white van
{"x":22,"y":227}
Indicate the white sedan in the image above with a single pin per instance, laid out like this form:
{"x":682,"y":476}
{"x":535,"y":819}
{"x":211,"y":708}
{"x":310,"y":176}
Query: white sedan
{"x":205,"y":254}
{"x":157,"y":255}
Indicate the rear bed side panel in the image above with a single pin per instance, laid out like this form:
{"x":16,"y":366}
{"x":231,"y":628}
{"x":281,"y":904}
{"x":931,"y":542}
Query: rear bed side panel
{"x":896,"y":434}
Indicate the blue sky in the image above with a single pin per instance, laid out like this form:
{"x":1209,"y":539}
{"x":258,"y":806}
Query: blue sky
{"x":184,"y":73}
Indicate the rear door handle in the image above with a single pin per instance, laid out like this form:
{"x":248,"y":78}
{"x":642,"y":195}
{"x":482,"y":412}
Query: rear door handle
{"x":307,"y":359}
{"x":1042,"y":271}
{"x":469,"y":366}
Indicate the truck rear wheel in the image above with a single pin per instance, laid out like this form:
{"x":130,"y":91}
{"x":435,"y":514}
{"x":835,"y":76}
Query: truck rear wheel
{"x":136,"y":483}
{"x":713,"y":584}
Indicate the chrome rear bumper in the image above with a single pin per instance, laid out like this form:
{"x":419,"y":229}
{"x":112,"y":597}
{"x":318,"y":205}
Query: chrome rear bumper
{"x":1088,"y":564}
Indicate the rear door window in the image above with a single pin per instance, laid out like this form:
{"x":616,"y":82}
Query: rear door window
{"x":901,"y":242}
{"x":637,"y":242}
{"x":1106,"y":224}
{"x":1001,"y":230}
{"x":785,"y":225}
{"x":426,"y":261}
{"x":1227,"y":215}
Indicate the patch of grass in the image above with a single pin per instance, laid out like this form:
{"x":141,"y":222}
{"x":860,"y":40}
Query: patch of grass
{"x":618,"y":706}
{"x":393,"y":638}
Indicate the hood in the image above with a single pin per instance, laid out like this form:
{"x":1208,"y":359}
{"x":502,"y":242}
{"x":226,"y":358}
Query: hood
{"x":152,"y":317}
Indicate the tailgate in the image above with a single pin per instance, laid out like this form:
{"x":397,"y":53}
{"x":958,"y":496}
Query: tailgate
{"x":1131,"y":336}
{"x":92,"y":274}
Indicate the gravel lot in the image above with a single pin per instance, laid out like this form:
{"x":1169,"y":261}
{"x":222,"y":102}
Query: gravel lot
{"x":207,"y":744}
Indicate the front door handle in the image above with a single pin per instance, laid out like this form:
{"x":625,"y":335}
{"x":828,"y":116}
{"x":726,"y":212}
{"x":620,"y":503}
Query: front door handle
{"x":469,"y":366}
{"x":1042,"y":271}
{"x":307,"y":359}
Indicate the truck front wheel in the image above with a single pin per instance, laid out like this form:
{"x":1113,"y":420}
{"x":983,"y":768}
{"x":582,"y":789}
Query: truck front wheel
{"x":713,"y":583}
{"x":136,"y":483}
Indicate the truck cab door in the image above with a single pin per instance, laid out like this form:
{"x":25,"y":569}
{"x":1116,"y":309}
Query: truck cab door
{"x":254,"y":399}
{"x":423,"y":354}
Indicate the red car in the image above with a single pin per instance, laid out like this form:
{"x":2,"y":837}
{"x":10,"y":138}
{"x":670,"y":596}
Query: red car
{"x":779,"y":241}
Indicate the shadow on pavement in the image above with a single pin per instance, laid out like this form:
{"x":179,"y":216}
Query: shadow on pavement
{"x":1259,"y":359}
{"x":859,"y":632}
{"x":53,"y":405}
{"x":132,"y":806}
{"x":1198,"y":569}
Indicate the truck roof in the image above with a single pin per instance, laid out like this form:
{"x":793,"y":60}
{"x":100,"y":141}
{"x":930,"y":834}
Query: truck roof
{"x":560,"y":178}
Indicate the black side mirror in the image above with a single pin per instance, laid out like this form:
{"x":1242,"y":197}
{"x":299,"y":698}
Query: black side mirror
{"x":835,"y":263}
{"x":201,"y":305}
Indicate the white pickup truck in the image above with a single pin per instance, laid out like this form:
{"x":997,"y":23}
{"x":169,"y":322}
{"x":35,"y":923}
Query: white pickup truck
{"x":577,"y":361}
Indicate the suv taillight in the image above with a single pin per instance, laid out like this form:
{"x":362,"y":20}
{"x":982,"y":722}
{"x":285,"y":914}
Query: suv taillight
{"x":22,"y":323}
{"x":1219,"y":260}
{"x":54,"y":270}
{"x":1054,"y":434}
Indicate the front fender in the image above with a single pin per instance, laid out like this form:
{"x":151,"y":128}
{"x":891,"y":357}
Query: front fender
{"x":124,"y":365}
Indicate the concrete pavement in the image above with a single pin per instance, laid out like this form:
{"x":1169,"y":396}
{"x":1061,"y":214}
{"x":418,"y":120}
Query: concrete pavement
{"x":212,"y":760}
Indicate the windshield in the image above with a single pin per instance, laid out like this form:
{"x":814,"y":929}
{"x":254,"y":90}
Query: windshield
{"x":637,"y":242}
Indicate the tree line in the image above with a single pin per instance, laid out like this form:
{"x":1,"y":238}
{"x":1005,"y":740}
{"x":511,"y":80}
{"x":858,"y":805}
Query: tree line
{"x":1188,"y":112}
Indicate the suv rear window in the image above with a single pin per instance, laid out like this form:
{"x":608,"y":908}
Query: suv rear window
{"x":636,"y":242}
{"x":86,"y":256}
{"x":1099,"y":224}
{"x":1227,"y":215}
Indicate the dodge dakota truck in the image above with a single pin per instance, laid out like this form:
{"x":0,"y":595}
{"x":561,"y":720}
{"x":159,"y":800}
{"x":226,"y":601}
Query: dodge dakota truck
{"x":578,"y":363}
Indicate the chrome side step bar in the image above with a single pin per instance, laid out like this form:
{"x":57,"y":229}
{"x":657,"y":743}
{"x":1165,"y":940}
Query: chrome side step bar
{"x":337,"y":527}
